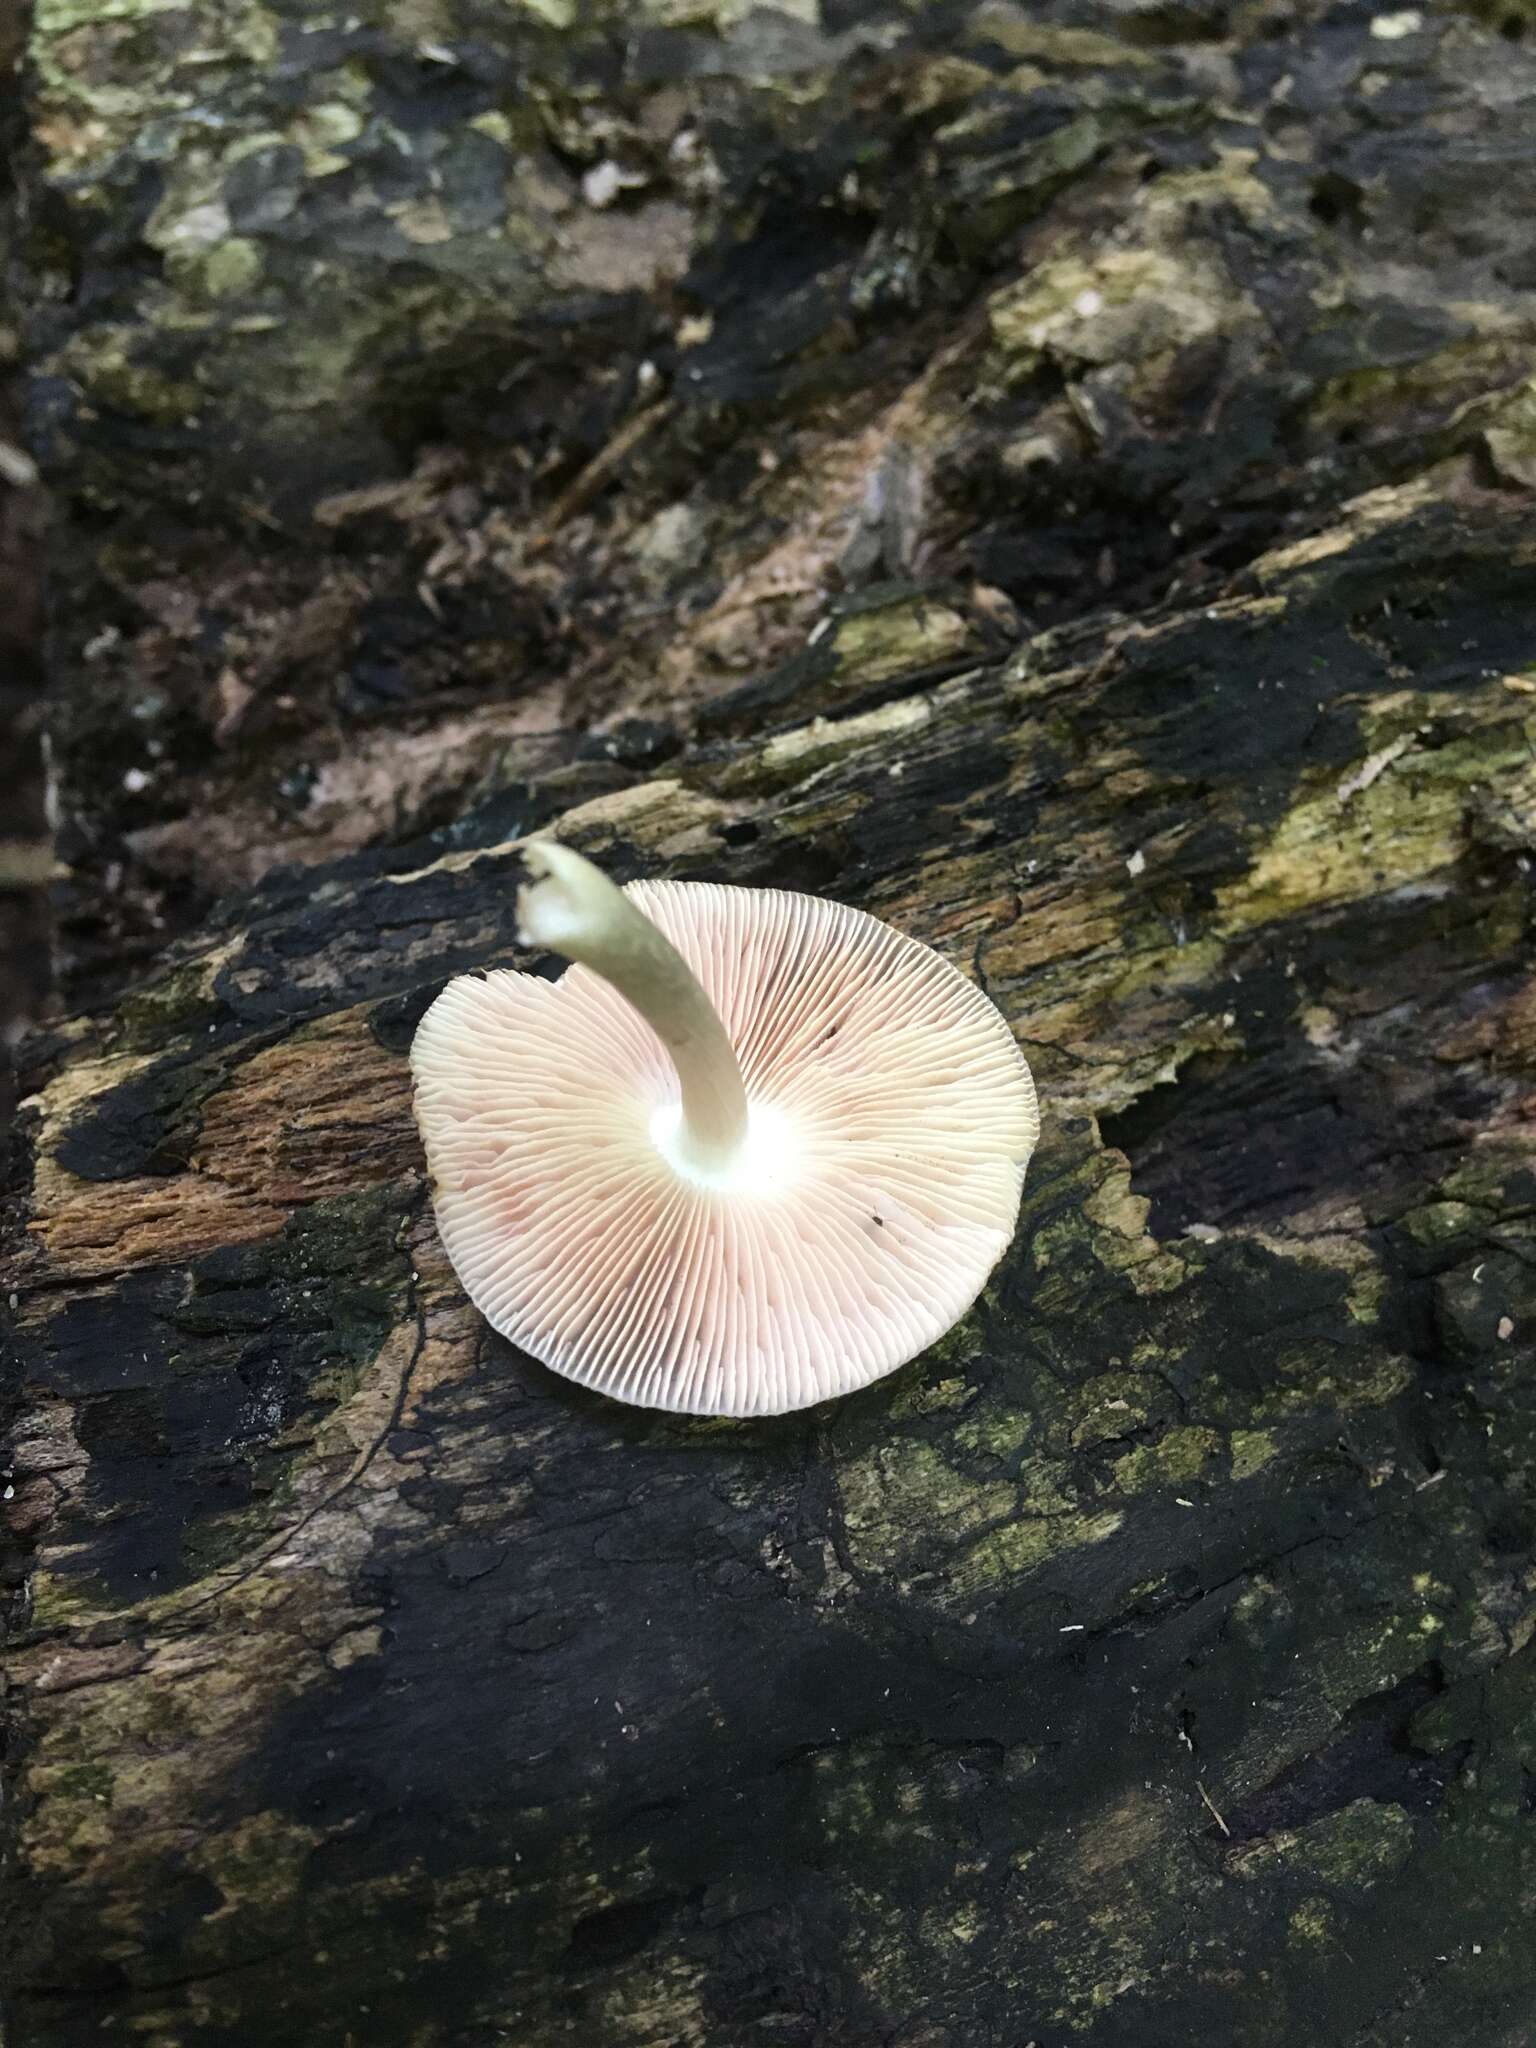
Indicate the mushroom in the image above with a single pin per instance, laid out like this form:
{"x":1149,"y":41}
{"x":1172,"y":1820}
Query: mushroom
{"x":752,"y":1150}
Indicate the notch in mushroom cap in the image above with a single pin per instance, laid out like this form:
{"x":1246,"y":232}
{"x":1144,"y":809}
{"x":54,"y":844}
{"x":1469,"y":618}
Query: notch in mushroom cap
{"x":752,"y":1150}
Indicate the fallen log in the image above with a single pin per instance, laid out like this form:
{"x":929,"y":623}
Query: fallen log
{"x":1102,"y":550}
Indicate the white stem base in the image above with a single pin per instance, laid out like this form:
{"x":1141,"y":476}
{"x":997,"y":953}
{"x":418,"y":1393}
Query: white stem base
{"x":762,"y":1162}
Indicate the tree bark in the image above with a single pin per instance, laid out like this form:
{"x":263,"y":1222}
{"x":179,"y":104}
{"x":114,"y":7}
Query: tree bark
{"x":27,"y":865}
{"x":1065,"y":488}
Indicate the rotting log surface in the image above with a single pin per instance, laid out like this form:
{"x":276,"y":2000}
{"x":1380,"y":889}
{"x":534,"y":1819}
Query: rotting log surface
{"x":1078,"y":508}
{"x":26,"y":861}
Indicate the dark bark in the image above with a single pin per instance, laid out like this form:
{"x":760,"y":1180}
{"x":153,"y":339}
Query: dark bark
{"x":26,"y":854}
{"x":1078,"y":508}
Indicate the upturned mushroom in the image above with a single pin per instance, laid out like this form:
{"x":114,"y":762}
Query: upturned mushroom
{"x":751,"y":1151}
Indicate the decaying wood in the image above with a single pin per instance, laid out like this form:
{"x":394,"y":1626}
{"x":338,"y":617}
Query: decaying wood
{"x":1082,"y":515}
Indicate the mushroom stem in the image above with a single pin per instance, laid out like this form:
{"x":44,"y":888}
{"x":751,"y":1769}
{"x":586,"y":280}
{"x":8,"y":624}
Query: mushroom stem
{"x":574,"y":909}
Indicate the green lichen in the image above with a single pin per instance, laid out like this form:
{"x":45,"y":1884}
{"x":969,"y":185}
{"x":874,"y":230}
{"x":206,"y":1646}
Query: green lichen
{"x":245,"y":324}
{"x":1391,"y":822}
{"x":1352,"y":1849}
{"x":1020,"y":1546}
{"x":904,"y":633}
{"x":178,"y":1004}
{"x":107,"y":361}
{"x":1002,"y":185}
{"x":1509,"y":435}
{"x":997,"y":1432}
{"x":1108,"y":1406}
{"x":917,"y":1394}
{"x":231,"y":269}
{"x":92,"y":1781}
{"x":790,"y":757}
{"x":1446,"y":1227}
{"x":897,"y":1493}
{"x":56,"y":1599}
{"x":131,"y":77}
{"x":1315,"y":1377}
{"x":1125,"y":306}
{"x":1442,"y":383}
{"x":52,"y":18}
{"x":1252,"y":1450}
{"x":1068,"y":49}
{"x":257,"y":1863}
{"x":1181,"y":1458}
{"x":1314,"y":1924}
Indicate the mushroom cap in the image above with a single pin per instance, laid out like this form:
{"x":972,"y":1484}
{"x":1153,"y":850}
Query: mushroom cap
{"x":891,"y":1118}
